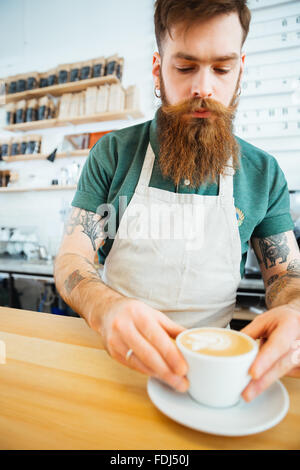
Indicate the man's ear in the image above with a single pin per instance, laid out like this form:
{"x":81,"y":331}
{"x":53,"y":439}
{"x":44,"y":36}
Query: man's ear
{"x":156,"y":65}
{"x":243,"y":56}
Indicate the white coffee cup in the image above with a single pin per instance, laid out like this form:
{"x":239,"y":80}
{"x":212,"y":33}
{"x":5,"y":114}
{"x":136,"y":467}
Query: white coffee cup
{"x":217,"y":380}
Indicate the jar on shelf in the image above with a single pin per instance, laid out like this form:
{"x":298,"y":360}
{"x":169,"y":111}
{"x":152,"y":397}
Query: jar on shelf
{"x":120,"y":67}
{"x":33,"y":144}
{"x":15,"y":146}
{"x":12,"y":84}
{"x":20,"y":111}
{"x":43,"y":108}
{"x":52,"y":77}
{"x":86,"y":70}
{"x":23,"y":144}
{"x":10,"y":113}
{"x":43,"y":80}
{"x":63,"y":73}
{"x":32,"y":81}
{"x":5,"y":147}
{"x":21,"y":83}
{"x":51,"y":110}
{"x":31,"y":112}
{"x":98,"y":67}
{"x":75,"y":72}
{"x":111,"y":65}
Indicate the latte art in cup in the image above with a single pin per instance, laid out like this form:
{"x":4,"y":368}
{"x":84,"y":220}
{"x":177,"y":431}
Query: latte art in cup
{"x":216,"y":342}
{"x":218,"y":362}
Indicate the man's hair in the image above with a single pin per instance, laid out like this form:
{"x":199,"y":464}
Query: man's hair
{"x":171,"y":12}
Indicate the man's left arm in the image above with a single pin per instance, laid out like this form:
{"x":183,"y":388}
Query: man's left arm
{"x":279,"y":327}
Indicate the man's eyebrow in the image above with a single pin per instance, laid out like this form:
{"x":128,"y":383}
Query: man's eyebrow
{"x":183,"y":55}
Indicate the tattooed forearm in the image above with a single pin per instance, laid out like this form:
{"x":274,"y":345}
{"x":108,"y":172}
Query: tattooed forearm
{"x":89,"y":224}
{"x":293,"y":268}
{"x":286,"y":286}
{"x":274,"y":248}
{"x":72,"y":281}
{"x":272,"y":279}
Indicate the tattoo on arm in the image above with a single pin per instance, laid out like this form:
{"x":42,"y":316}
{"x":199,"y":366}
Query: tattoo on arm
{"x":76,"y":277}
{"x":272,"y":279}
{"x":73,"y":280}
{"x":277,"y":287}
{"x":273,"y":248}
{"x":90,"y":223}
{"x":293,"y":268}
{"x":293,"y":271}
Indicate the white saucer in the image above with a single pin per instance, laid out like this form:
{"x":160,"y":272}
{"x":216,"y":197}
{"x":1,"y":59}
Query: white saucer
{"x":264,"y":412}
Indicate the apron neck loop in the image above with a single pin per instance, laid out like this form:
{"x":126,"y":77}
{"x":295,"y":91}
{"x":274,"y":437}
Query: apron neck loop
{"x":147,"y":168}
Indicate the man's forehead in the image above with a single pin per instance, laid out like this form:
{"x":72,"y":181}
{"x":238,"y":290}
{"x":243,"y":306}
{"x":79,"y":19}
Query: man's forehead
{"x":221,"y":36}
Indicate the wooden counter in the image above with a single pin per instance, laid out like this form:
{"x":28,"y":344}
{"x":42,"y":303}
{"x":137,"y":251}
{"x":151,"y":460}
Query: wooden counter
{"x":59,"y":389}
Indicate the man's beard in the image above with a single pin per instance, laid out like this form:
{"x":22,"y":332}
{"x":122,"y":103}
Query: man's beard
{"x":196,"y":148}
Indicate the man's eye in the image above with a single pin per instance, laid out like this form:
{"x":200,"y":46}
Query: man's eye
{"x":222,"y":71}
{"x":184,"y":70}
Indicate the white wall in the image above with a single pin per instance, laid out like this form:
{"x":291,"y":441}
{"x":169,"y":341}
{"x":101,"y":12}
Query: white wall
{"x":38,"y":35}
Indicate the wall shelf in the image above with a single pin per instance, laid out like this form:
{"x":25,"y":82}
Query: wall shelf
{"x":45,"y":188}
{"x":43,"y":156}
{"x":58,"y":90}
{"x":49,"y":123}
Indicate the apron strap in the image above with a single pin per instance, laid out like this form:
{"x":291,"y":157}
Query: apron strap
{"x":145,"y":176}
{"x":226,"y":181}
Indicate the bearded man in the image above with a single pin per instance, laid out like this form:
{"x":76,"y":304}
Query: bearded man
{"x":187,"y":157}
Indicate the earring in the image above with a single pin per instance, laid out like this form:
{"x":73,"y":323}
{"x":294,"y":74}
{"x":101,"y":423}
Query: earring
{"x":155,"y":92}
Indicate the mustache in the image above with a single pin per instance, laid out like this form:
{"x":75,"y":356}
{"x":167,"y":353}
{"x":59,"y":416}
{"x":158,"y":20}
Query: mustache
{"x":193,"y":104}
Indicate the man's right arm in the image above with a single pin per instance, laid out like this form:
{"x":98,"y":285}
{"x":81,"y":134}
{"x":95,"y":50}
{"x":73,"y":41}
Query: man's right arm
{"x":76,"y":276}
{"x":124,"y":323}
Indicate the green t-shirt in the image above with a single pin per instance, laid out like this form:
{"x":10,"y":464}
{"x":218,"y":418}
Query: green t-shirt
{"x":114,"y":164}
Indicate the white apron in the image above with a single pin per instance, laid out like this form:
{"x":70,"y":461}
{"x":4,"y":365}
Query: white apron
{"x":192,"y":279}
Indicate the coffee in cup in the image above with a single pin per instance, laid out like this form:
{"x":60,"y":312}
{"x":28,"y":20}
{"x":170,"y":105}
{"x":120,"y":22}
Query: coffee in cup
{"x":216,"y":342}
{"x":218,"y":363}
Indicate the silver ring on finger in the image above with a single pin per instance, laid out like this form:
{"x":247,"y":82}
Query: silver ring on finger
{"x":128,"y":354}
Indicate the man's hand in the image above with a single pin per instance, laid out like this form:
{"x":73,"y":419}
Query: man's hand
{"x":279,"y":354}
{"x":131,"y":324}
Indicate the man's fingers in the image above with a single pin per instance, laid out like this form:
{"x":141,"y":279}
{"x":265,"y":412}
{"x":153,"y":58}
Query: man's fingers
{"x":277,"y":345}
{"x":149,"y":356}
{"x":157,"y":336}
{"x":256,"y":329}
{"x":133,"y":362}
{"x":280,"y":368}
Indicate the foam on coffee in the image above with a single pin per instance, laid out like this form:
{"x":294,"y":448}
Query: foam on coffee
{"x":214,"y":342}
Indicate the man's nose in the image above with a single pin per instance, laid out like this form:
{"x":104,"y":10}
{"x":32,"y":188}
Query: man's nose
{"x":202,"y":86}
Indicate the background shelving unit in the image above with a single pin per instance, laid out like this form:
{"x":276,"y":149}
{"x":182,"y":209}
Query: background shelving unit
{"x":43,"y":156}
{"x":58,"y":90}
{"x":55,"y":187}
{"x":49,"y":123}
